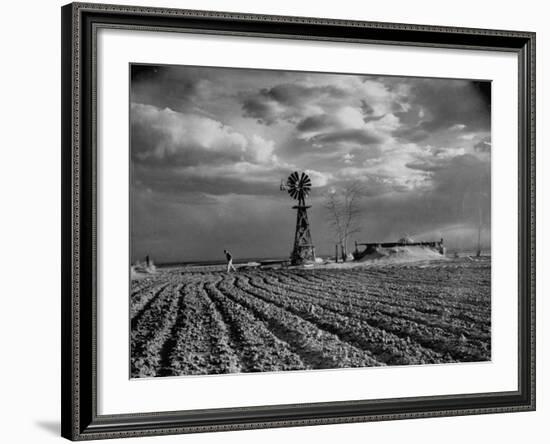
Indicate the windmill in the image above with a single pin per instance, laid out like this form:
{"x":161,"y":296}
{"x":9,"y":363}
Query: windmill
{"x":298,"y":187}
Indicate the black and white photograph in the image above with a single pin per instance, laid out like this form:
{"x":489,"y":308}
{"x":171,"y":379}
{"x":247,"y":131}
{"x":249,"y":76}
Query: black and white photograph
{"x":275,"y":222}
{"x":301,"y":220}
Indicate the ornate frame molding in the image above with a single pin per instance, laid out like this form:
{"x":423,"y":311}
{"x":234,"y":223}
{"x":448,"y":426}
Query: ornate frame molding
{"x":80,"y":22}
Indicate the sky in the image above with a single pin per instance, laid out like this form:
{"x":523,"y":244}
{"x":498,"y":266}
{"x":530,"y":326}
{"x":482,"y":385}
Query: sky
{"x":209,"y":147}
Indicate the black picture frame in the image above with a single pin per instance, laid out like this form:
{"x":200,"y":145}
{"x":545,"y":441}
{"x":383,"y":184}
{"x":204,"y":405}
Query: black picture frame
{"x":80,"y":420}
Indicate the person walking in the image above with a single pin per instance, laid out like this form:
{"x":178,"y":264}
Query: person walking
{"x":229,"y":258}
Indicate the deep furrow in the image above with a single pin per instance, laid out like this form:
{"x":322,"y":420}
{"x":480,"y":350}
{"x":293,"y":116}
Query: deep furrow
{"x":384,"y":346}
{"x":432,"y":308}
{"x":140,"y":286}
{"x":353,"y":309}
{"x":445,"y":344}
{"x":412,"y":276}
{"x":378,"y":290}
{"x":151,"y":332}
{"x":336,"y":292}
{"x":137,"y":309}
{"x":166,"y":367}
{"x":381,"y":293}
{"x":316,"y":346}
{"x":199,"y":342}
{"x":258,"y":348}
{"x":443,"y":287}
{"x":423,"y":349}
{"x":225,"y":356}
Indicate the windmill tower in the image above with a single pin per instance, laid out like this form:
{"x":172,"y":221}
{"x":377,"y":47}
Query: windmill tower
{"x":298,"y":187}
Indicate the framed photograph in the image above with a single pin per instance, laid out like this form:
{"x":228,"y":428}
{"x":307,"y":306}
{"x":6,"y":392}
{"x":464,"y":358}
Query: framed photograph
{"x":281,"y":221}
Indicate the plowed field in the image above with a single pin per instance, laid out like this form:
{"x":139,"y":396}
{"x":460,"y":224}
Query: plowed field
{"x":192,"y":320}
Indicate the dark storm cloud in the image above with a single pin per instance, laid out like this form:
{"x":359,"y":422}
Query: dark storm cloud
{"x":327,"y":151}
{"x":369,"y":113}
{"x":315,"y":123}
{"x":265,"y":112}
{"x":357,"y":136}
{"x":284,"y":101}
{"x":373,"y":186}
{"x":188,"y":231}
{"x":435,"y":105}
{"x":454,"y":103}
{"x":411,"y":134}
{"x":366,"y":108}
{"x":462,"y":175}
{"x":327,"y":130}
{"x":294,"y":94}
{"x":140,"y":73}
{"x":424,"y":166}
{"x":167,"y":87}
{"x":176,"y":182}
{"x":483,"y":146}
{"x":458,"y":190}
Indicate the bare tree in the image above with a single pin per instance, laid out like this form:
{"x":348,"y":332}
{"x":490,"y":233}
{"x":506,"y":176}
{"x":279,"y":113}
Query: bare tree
{"x":343,"y":207}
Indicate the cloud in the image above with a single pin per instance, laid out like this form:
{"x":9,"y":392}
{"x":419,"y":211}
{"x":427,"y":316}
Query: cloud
{"x":242,"y":178}
{"x":191,"y":231}
{"x":464,"y":173}
{"x":353,"y":136}
{"x":348,"y":157}
{"x":167,"y":137}
{"x":185,"y":154}
{"x":425,"y":165}
{"x":316,"y":123}
{"x":438,"y":104}
{"x":181,"y":90}
{"x":483,"y":146}
{"x":448,"y":207}
{"x":209,"y":147}
{"x":457,"y":127}
{"x":411,"y":134}
{"x":287,"y":102}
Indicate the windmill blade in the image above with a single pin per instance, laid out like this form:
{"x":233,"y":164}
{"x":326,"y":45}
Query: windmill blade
{"x":291,"y":181}
{"x":298,"y":185}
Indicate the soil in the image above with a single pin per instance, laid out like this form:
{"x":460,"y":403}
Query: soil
{"x":193,"y":320}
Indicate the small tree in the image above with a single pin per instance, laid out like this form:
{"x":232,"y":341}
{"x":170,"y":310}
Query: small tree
{"x":343,"y":208}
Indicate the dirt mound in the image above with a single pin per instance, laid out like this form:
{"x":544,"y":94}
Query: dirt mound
{"x":142,"y":269}
{"x":406,"y":253}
